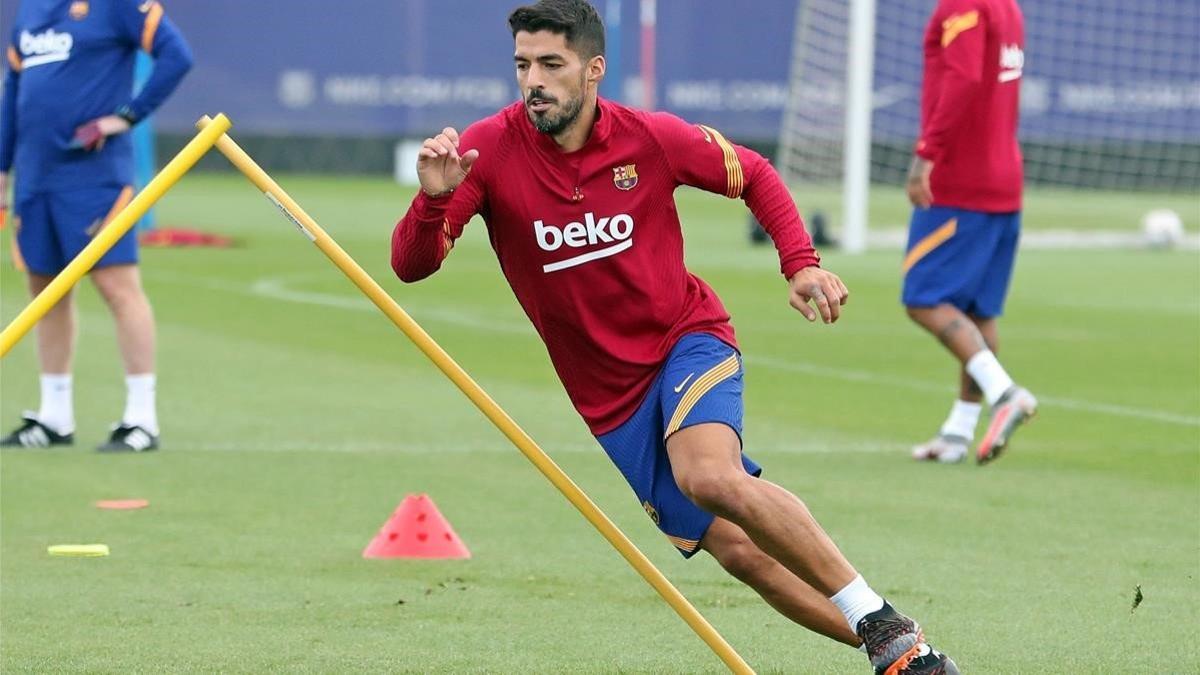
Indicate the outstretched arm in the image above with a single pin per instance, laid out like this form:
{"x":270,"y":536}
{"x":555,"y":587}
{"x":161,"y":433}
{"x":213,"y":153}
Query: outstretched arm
{"x":701,"y":157}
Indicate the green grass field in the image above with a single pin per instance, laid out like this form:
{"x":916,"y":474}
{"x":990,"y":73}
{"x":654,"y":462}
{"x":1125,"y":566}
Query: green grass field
{"x":296,"y":417}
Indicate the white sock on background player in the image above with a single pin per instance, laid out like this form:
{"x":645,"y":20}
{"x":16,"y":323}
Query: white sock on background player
{"x":57,"y":411}
{"x":989,"y":375}
{"x":139,"y":402}
{"x":962,"y":420}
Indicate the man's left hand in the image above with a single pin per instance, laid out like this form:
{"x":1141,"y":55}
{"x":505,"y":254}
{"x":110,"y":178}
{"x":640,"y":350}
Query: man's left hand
{"x":91,"y":136}
{"x":820,"y":287}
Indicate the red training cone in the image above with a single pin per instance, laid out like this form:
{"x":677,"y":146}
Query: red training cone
{"x":416,"y":530}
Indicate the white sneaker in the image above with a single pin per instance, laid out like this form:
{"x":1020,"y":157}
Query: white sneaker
{"x":945,"y":448}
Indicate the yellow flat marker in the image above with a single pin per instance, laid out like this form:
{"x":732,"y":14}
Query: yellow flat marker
{"x":78,"y":550}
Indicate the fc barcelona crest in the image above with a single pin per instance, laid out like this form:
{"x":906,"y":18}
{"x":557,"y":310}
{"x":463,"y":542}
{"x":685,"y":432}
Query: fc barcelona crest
{"x":78,"y":10}
{"x":625,"y":177}
{"x":650,"y":510}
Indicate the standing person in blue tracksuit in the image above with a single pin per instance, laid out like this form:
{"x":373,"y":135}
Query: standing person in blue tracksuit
{"x":68,"y":103}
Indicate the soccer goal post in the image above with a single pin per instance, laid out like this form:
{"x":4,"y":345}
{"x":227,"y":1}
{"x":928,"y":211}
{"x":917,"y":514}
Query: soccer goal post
{"x":1110,"y":106}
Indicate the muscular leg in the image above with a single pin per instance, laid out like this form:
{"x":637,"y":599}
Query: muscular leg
{"x":121,"y":288}
{"x":56,"y":330}
{"x":781,"y":589}
{"x":706,"y":463}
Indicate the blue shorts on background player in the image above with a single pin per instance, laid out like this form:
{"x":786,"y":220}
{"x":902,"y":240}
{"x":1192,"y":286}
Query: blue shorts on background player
{"x":963,"y":258}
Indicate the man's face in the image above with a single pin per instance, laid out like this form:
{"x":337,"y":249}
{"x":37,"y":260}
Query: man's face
{"x":552,"y":78}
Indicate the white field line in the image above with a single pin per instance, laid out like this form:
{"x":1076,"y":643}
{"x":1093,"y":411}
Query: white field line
{"x":849,"y":375}
{"x":277,"y":289}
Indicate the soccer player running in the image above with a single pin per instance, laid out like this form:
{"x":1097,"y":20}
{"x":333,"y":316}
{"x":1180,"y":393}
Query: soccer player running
{"x":68,"y":101}
{"x":577,"y":194}
{"x":965,"y":184}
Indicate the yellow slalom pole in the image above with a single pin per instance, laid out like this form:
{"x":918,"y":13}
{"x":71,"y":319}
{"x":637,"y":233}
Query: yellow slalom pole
{"x":480,"y":398}
{"x":109,"y":234}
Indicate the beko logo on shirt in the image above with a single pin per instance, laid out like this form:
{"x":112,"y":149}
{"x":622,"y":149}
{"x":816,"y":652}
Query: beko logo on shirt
{"x":1012,"y":62}
{"x":616,"y":230}
{"x":45,"y":47}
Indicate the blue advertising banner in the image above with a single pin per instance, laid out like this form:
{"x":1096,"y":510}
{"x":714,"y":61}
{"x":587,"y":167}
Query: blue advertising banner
{"x":1094,"y":69}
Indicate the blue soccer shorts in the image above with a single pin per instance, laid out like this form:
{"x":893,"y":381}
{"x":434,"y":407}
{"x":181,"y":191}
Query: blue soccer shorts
{"x":700,"y":382}
{"x":53,"y":227}
{"x":959,"y":257}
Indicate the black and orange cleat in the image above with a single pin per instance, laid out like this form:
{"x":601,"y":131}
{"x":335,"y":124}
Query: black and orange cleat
{"x":895,"y":644}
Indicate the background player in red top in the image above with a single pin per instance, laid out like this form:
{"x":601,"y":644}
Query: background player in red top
{"x":576,"y":193}
{"x":965,"y":183}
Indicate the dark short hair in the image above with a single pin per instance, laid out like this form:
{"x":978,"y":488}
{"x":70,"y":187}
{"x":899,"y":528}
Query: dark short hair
{"x":575,"y":19}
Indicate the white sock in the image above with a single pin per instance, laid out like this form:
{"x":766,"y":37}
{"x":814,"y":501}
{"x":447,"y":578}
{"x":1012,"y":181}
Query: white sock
{"x":857,"y":600}
{"x":139,"y":402}
{"x":964,"y":416}
{"x":989,"y":375}
{"x":57,"y":410}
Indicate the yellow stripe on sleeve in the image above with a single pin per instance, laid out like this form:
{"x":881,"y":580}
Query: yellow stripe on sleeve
{"x":153,"y":16}
{"x":725,"y":369}
{"x":929,"y":242}
{"x":733,"y":166}
{"x":958,"y":24}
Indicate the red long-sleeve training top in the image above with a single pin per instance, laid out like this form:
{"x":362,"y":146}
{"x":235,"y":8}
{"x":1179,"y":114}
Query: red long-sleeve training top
{"x":974,"y":55}
{"x":591,"y":244}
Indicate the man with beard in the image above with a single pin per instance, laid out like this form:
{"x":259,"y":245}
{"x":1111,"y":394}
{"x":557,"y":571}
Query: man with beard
{"x":577,"y":193}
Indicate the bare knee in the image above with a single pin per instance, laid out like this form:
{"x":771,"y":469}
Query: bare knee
{"x":716,"y":490}
{"x":707,"y":466}
{"x":741,"y":558}
{"x":919,"y":315}
{"x":120,"y":286}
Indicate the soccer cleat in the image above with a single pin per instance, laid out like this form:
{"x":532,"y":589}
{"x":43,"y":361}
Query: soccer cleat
{"x":895,"y":644}
{"x":1014,"y":408}
{"x":945,"y":448}
{"x":129,"y":438}
{"x":34,"y":434}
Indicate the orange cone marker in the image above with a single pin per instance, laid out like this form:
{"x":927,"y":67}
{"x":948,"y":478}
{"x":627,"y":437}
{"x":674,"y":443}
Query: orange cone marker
{"x":416,"y":530}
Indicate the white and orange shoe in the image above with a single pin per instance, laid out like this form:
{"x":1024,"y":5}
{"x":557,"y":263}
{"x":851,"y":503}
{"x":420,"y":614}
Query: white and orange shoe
{"x":944,"y":448}
{"x":1016,"y":407}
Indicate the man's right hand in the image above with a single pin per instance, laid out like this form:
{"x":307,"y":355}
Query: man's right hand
{"x":439,"y":166}
{"x":917,"y":185}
